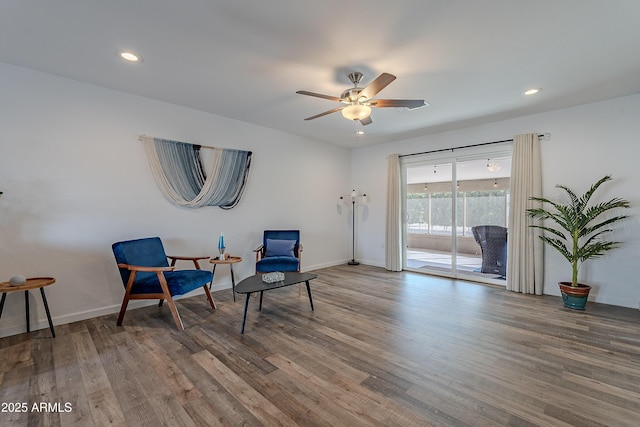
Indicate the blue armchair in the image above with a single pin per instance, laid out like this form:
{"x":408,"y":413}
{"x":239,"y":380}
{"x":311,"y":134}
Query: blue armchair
{"x":280,"y":251}
{"x":146,"y":274}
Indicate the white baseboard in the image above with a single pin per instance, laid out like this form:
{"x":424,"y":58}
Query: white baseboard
{"x":324,"y":265}
{"x":372,"y":263}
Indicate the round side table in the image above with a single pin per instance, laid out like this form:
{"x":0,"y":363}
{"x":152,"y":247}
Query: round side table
{"x":229,"y":261}
{"x":32,"y":283}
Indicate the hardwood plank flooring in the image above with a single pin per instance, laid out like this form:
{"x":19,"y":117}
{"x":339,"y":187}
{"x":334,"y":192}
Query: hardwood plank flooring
{"x":380,"y":349}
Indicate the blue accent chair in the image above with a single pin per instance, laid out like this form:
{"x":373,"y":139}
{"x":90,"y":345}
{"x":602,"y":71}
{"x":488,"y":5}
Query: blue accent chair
{"x":146,"y":274}
{"x":280,"y":251}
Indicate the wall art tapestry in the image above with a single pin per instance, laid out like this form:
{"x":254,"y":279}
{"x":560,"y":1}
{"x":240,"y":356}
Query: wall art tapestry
{"x":186,"y":180}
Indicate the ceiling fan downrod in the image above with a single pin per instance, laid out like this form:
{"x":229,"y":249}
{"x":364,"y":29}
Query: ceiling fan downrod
{"x":355,"y":78}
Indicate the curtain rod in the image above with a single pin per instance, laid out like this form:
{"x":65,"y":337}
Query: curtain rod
{"x":542,"y":136}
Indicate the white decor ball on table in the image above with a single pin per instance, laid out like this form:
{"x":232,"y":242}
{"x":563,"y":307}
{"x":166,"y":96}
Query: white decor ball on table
{"x":18,"y":280}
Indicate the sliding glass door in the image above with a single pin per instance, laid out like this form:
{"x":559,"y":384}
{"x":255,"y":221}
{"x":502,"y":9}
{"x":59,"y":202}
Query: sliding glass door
{"x":455,"y":214}
{"x":429,"y":217}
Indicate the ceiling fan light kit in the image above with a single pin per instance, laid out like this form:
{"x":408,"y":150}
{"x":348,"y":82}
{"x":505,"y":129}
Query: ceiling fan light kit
{"x":359,"y":101}
{"x":356,"y":111}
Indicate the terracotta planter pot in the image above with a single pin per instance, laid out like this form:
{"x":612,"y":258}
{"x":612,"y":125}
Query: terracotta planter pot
{"x":574,"y":297}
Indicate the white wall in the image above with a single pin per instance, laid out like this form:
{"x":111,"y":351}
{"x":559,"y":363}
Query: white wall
{"x":76,"y":179}
{"x":587,"y":142}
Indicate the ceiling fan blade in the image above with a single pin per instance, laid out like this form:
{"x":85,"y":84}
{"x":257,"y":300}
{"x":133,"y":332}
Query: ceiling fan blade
{"x":377,"y":85}
{"x":366,"y":121}
{"x":325,"y":113}
{"x":319,"y":95}
{"x":408,"y":103}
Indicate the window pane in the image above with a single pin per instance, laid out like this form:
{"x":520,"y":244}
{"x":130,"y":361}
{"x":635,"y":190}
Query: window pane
{"x":486,"y":208}
{"x":417,"y":212}
{"x":441,"y":213}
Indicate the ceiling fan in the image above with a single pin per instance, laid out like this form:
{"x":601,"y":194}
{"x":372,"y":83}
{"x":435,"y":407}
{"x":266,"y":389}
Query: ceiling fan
{"x":359,"y":101}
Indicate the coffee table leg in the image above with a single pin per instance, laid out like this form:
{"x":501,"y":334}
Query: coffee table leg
{"x":309,"y":292}
{"x":244,"y":317}
{"x":26,"y":309}
{"x":46,"y":308}
{"x":260,"y":307}
{"x":233,"y":282}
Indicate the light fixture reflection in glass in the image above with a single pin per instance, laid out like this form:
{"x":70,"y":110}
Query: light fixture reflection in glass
{"x":493,"y":166}
{"x":356,"y":112}
{"x":532,"y":91}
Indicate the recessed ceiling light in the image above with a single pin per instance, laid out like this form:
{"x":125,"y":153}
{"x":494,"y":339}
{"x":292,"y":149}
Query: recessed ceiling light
{"x":130,"y":56}
{"x":532,"y":91}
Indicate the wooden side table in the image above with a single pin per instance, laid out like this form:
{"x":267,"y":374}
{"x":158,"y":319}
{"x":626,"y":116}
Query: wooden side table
{"x":33,"y":283}
{"x":229,"y":261}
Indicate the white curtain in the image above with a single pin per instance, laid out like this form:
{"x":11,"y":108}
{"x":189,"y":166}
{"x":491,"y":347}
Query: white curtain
{"x":393,"y":239}
{"x":524,"y":263}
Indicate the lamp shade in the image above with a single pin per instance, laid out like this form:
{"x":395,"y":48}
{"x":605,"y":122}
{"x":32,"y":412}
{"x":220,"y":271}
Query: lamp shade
{"x":356,"y":112}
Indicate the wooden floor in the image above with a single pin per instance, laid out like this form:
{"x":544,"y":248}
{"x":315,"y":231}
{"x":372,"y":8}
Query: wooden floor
{"x":381,"y":348}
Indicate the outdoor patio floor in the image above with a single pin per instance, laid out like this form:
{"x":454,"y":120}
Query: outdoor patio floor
{"x":469,"y":264}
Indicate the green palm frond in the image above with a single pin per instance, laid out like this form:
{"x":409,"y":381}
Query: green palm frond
{"x":590,"y":229}
{"x":549,"y":230}
{"x":574,"y":200}
{"x":595,"y":250}
{"x":560,"y":246}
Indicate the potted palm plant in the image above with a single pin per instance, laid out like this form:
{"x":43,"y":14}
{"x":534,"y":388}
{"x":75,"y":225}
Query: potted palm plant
{"x":578,"y":233}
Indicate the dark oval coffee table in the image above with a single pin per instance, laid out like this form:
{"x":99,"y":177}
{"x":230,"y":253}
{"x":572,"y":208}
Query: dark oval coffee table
{"x":255,"y":284}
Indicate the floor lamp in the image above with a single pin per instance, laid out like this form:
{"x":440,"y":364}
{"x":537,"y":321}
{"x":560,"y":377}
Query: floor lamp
{"x":353,"y":197}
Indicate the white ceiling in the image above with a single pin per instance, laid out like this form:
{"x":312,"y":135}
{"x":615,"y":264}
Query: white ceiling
{"x":471,"y":60}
